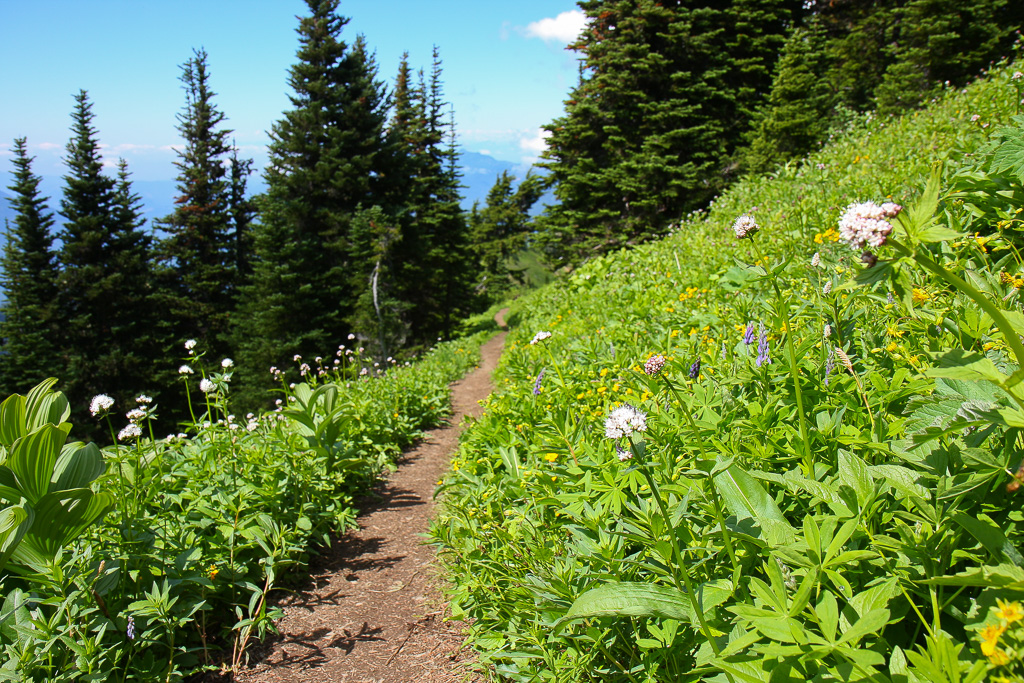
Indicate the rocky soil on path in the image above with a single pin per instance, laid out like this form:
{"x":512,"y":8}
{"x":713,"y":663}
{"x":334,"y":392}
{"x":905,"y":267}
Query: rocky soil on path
{"x":371,"y":612}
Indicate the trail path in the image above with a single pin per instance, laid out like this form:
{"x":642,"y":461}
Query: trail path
{"x":371,"y":612}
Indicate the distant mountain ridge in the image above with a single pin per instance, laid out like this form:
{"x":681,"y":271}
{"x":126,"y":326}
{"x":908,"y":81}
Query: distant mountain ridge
{"x":479,"y":172}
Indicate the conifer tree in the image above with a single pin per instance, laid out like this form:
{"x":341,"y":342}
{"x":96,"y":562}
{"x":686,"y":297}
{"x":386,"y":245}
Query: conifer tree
{"x":663,"y":101}
{"x":499,"y":230}
{"x":105,"y":309}
{"x":796,"y":116}
{"x":199,"y":272}
{"x":327,"y":160}
{"x":28,"y":276}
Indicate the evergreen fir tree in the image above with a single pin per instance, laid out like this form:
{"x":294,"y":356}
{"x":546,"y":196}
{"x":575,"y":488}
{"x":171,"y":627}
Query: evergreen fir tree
{"x":328,"y":159}
{"x":498,"y":231}
{"x":797,"y":115}
{"x":199,"y":267}
{"x":28,"y":276}
{"x":105,"y":308}
{"x":243,"y":213}
{"x":664,"y":99}
{"x":934,"y":41}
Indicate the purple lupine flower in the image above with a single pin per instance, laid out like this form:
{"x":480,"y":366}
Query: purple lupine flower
{"x":130,"y":631}
{"x":695,"y":369}
{"x":537,"y":384}
{"x":762,"y":348}
{"x":830,"y":364}
{"x":748,"y":336}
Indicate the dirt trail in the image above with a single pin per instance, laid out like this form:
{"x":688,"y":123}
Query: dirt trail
{"x":372,"y":613}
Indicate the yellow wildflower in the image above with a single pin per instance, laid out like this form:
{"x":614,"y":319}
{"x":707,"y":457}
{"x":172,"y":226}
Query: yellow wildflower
{"x":551,"y":457}
{"x":892,"y":347}
{"x":1009,"y":611}
{"x":894,"y":331}
{"x":920,"y":296}
{"x":604,"y":371}
{"x":990,"y":638}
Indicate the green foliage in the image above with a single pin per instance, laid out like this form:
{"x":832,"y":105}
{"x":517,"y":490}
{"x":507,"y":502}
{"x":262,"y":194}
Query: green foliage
{"x":855,"y":496}
{"x":184,"y":561}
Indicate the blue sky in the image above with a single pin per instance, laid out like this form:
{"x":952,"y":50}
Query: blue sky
{"x":506,"y":69}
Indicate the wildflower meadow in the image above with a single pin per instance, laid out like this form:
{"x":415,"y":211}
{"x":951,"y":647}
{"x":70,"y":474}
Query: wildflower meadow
{"x":153,"y":558}
{"x":784,"y":443}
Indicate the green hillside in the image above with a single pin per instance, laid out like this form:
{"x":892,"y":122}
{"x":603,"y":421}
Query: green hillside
{"x":822,"y":481}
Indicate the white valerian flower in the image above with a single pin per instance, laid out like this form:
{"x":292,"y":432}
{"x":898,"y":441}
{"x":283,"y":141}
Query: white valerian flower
{"x":135,"y":414}
{"x":539,"y":337}
{"x":206,"y":386}
{"x":100,"y":403}
{"x":190,"y":344}
{"x":351,"y":337}
{"x":866,"y":223}
{"x":144,"y":400}
{"x":623,"y":421}
{"x":816,"y":260}
{"x":827,"y":288}
{"x":131,"y":431}
{"x":745,"y":226}
{"x":185,"y":370}
{"x":227,"y":363}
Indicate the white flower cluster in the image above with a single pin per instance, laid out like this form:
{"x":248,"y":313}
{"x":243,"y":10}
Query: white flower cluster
{"x":206,"y":386}
{"x":185,"y":370}
{"x":867,"y":223}
{"x":745,"y":226}
{"x":816,"y":260}
{"x":100,"y":403}
{"x":227,"y":363}
{"x":136,"y":414}
{"x":623,"y":421}
{"x":190,"y":345}
{"x":130,"y":431}
{"x":539,"y":337}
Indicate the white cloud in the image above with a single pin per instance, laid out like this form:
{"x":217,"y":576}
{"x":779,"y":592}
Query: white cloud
{"x":48,"y":146}
{"x":563,"y":29}
{"x":535,"y":142}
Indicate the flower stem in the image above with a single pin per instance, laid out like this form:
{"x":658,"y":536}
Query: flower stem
{"x":681,"y":568}
{"x":726,"y":537}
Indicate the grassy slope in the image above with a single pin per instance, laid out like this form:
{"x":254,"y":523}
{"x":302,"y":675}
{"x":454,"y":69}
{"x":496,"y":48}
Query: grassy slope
{"x":538,"y":507}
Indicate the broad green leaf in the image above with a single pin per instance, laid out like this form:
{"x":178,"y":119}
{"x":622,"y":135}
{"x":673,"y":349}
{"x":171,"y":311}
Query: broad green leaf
{"x":1005,"y":575}
{"x":827,"y":611}
{"x":854,"y":473}
{"x":746,"y":498}
{"x":12,"y":420}
{"x":960,"y":364}
{"x":43,"y":405}
{"x":922,"y":214}
{"x":903,"y":479}
{"x":32,"y":459}
{"x":77,"y":467}
{"x":874,"y":620}
{"x":991,"y":537}
{"x":627,"y":599}
{"x":937,"y":233}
